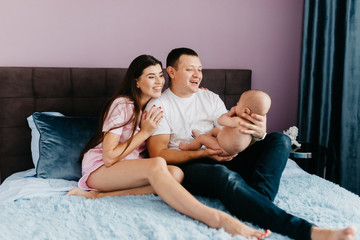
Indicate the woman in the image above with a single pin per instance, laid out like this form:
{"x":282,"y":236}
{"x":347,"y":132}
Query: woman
{"x":113,"y":161}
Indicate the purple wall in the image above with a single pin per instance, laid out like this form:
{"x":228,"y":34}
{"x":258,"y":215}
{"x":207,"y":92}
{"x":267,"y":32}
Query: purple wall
{"x":262,"y":35}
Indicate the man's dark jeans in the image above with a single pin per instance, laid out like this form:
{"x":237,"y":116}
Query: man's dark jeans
{"x":248,"y":184}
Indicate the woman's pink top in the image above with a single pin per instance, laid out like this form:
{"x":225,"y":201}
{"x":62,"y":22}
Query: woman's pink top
{"x":119,"y":113}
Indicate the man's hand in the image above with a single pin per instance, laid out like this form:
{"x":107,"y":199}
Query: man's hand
{"x":216,"y":155}
{"x":256,"y":125}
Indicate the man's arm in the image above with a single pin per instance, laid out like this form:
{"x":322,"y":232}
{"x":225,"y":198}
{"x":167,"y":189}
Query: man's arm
{"x":158,"y":147}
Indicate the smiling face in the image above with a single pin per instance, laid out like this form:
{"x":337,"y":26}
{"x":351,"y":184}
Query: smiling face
{"x":186,"y":76}
{"x":151,"y":83}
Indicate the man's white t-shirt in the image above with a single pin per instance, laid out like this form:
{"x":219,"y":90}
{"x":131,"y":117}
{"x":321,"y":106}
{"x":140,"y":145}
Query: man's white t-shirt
{"x":182,"y":115}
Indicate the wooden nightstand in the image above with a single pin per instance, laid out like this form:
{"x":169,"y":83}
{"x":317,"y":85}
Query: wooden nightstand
{"x":311,"y":157}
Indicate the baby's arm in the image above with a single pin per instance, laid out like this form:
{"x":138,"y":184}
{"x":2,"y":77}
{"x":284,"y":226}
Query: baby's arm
{"x":229,"y":120}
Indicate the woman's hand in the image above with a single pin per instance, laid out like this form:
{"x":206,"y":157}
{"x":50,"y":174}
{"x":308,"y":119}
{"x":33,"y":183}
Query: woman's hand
{"x":256,"y":125}
{"x":150,"y":120}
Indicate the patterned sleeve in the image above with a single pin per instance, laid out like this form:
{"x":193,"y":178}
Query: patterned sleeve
{"x":119,"y":113}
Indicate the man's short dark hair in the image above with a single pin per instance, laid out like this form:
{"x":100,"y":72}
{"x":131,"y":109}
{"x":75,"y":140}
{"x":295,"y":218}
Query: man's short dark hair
{"x":175,"y":54}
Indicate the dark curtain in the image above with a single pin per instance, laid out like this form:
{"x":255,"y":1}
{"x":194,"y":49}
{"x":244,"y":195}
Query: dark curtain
{"x":329,"y":98}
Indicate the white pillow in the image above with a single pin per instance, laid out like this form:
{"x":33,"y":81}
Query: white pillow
{"x":35,"y":136}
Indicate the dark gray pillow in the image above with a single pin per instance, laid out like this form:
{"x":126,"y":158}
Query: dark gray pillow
{"x":62,"y":139}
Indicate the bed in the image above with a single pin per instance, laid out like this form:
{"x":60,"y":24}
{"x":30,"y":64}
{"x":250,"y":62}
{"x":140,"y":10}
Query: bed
{"x":39,"y":105}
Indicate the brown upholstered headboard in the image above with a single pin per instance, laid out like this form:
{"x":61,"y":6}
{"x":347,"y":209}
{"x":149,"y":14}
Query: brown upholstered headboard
{"x":74,"y":92}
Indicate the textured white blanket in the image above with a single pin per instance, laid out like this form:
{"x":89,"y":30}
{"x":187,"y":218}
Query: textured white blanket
{"x":148,"y":217}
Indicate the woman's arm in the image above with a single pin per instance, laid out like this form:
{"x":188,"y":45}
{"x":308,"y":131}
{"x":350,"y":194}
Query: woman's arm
{"x":114,"y":152}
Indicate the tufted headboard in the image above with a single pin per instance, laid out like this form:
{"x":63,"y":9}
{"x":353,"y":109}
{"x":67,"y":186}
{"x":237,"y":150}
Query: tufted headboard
{"x":74,"y":92}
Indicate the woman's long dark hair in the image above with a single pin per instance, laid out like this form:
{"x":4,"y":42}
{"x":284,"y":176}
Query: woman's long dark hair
{"x":127,"y":89}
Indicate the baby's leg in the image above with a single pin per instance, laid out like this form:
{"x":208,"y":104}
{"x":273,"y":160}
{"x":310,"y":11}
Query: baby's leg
{"x":195,"y":133}
{"x":214,"y":132}
{"x":209,"y":139}
{"x":193,"y":145}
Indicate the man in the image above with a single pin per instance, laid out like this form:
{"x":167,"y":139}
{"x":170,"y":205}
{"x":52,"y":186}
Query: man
{"x":247,"y":183}
{"x":186,"y":107}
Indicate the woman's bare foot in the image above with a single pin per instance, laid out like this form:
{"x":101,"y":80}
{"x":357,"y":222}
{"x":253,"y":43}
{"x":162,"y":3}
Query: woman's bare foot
{"x":97,"y":194}
{"x":82,"y":193}
{"x":333,"y":234}
{"x":235,"y":227}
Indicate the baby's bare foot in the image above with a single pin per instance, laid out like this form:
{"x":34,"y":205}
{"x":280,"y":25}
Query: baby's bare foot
{"x":183,"y":146}
{"x":333,"y":234}
{"x":195,"y":133}
{"x":82,"y":193}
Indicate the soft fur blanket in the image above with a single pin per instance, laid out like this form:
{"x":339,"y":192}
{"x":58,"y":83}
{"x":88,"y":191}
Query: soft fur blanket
{"x":148,"y":217}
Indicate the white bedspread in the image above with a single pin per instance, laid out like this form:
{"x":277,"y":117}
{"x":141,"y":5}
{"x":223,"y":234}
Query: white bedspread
{"x":25,"y":185}
{"x":36,"y":208}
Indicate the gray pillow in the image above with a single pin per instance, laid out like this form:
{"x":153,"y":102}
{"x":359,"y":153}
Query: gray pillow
{"x":35,"y":136}
{"x":62,"y":139}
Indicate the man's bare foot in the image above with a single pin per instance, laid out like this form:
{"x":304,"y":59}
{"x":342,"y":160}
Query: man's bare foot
{"x":236,"y":227}
{"x":333,"y":234}
{"x":82,"y":193}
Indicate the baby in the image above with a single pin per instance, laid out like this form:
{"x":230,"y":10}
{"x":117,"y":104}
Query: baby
{"x":229,"y":138}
